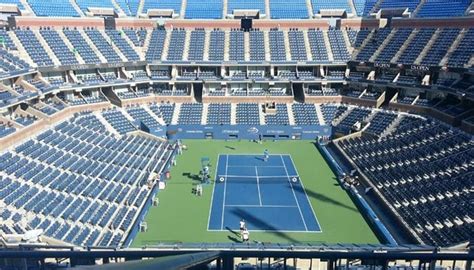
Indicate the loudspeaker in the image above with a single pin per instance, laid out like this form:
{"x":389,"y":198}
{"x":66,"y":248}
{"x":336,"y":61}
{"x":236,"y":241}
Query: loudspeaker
{"x":246,"y":24}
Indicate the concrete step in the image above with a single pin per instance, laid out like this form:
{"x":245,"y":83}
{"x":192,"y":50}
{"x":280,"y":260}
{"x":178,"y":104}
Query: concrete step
{"x":177,"y":111}
{"x":233,"y":113}
{"x":309,"y":6}
{"x":226,"y":45}
{"x":320,"y":115}
{"x":184,"y":3}
{"x":266,"y":39}
{"x":166,"y":45}
{"x":307,"y":45}
{"x":207,"y":41}
{"x":77,"y":8}
{"x":291,"y":116}
{"x":205,"y":112}
{"x":328,"y":46}
{"x":338,"y":120}
{"x":349,"y":46}
{"x":154,"y":116}
{"x":247,"y":46}
{"x":261,"y":114}
{"x":187,"y":41}
{"x":267,"y":9}
{"x":287,"y":45}
{"x":116,"y":49}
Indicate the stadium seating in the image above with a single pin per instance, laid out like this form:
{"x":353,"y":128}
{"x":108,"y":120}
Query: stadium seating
{"x":175,"y":5}
{"x":277,"y":45}
{"x":318,"y":47}
{"x":62,"y":52}
{"x":338,"y":46}
{"x":216,"y":45}
{"x":155,"y":49}
{"x":464,"y":51}
{"x":282,"y":9}
{"x":245,"y":4}
{"x":418,"y":169}
{"x":297,"y":45}
{"x":280,"y":117}
{"x":415,"y":47}
{"x":118,"y":121}
{"x":364,"y":7}
{"x":103,"y":46}
{"x":393,"y":45}
{"x":52,"y":8}
{"x":204,"y":9}
{"x":248,"y":114}
{"x":409,"y":4}
{"x":236,"y":46}
{"x":81,"y":47}
{"x":257,"y":46}
{"x":219,"y":114}
{"x":190,"y":113}
{"x":176,"y":48}
{"x":440,"y":8}
{"x":196,"y":45}
{"x":117,"y":37}
{"x":440,"y":47}
{"x":33,"y":47}
{"x":305,"y":114}
{"x":330,"y":4}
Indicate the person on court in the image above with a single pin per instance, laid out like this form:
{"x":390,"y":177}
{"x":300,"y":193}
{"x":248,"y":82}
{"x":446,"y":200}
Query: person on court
{"x":265,"y":155}
{"x":245,"y":235}
{"x":242,"y":226}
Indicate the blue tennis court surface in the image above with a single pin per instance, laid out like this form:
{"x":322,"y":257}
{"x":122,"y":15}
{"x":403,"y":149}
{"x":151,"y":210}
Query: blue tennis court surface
{"x":268,"y":195}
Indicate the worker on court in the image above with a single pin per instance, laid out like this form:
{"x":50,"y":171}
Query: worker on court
{"x":265,"y":155}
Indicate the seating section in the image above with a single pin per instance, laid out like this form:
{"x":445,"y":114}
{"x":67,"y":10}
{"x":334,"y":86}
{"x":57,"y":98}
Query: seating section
{"x":464,"y":51}
{"x":78,"y":183}
{"x":282,"y":9}
{"x":277,"y":45}
{"x":297,"y":46}
{"x":257,"y":46}
{"x":440,"y":47}
{"x":330,"y":4}
{"x":81,"y":47}
{"x":248,"y":114}
{"x":10,"y":64}
{"x":176,"y":47}
{"x":139,"y":113}
{"x":117,"y":37}
{"x":318,"y":47}
{"x":59,"y":48}
{"x":338,"y":46}
{"x":85,"y":4}
{"x":103,"y":46}
{"x":175,"y":5}
{"x":204,"y":9}
{"x":190,"y":114}
{"x":216,"y":45}
{"x":380,"y":122}
{"x":155,"y":49}
{"x":236,"y":46}
{"x":163,"y":110}
{"x":246,"y":4}
{"x":394,"y":45}
{"x":440,"y":8}
{"x":136,"y":36}
{"x":52,"y":8}
{"x":416,"y":46}
{"x":424,"y":171}
{"x":410,"y":4}
{"x":354,"y":116}
{"x":364,"y":7}
{"x":374,"y":43}
{"x":15,"y":2}
{"x":305,"y":114}
{"x":196,"y":45}
{"x":219,"y":114}
{"x":280,"y":117}
{"x":33,"y":47}
{"x":118,"y":121}
{"x":6,"y":129}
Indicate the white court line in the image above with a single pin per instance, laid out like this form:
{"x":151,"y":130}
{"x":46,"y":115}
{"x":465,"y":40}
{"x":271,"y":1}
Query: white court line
{"x":294,"y":194}
{"x":245,"y":166}
{"x":307,"y":198}
{"x":261,"y":177}
{"x":258,"y":187}
{"x":225,"y":186}
{"x":212,"y":196}
{"x":254,"y":205}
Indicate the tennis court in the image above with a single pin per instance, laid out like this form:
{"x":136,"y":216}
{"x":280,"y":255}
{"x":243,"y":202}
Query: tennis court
{"x":268,"y":195}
